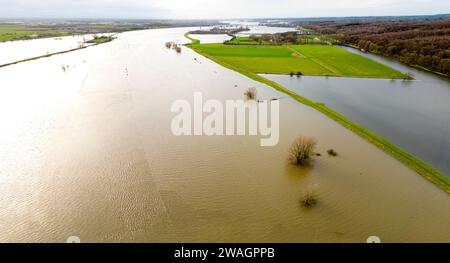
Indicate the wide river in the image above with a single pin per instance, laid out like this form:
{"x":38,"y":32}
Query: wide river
{"x":89,"y":152}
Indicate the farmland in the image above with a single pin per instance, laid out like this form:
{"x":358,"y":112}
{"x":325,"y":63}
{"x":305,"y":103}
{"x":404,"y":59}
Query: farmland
{"x":17,"y":32}
{"x":242,"y":41}
{"x":314,"y":60}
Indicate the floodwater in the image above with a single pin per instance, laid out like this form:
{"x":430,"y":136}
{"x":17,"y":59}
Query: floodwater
{"x":258,"y":30}
{"x":414,"y":115}
{"x":254,"y":27}
{"x":13,"y":51}
{"x":211,"y":38}
{"x":89,"y":152}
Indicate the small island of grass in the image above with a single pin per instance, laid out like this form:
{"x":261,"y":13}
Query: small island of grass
{"x":100,"y":40}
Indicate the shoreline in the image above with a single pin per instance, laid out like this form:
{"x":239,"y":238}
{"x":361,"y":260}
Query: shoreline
{"x":419,"y":166}
{"x":193,"y":40}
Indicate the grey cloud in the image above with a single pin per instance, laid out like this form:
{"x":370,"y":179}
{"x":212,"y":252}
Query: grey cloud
{"x":216,"y":8}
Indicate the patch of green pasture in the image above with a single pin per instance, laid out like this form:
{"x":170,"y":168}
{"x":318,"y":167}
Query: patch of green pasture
{"x":346,"y":63}
{"x":277,"y":65}
{"x":316,"y":60}
{"x":222,"y":50}
{"x":264,"y":59}
{"x":242,"y":41}
{"x":18,"y":32}
{"x":100,"y":40}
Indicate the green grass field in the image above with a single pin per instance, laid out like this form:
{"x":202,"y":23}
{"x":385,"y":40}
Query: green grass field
{"x":242,"y":41}
{"x":314,"y":60}
{"x":17,"y":32}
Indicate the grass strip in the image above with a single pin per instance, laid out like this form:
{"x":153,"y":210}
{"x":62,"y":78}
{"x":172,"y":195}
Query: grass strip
{"x":193,"y":40}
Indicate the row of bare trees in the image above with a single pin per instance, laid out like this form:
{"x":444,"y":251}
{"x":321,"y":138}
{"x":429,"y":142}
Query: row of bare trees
{"x":418,"y":43}
{"x":174,"y":46}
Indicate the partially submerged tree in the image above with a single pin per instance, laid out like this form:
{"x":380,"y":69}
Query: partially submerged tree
{"x":408,"y":76}
{"x":302,"y":151}
{"x":174,"y":46}
{"x":250,"y":93}
{"x":168,"y":45}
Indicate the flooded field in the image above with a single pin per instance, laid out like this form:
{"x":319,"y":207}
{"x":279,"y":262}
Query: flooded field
{"x":19,"y":50}
{"x":89,"y":152}
{"x":412,"y":114}
{"x":265,"y":30}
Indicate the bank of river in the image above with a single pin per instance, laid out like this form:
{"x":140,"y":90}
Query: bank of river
{"x":89,"y":152}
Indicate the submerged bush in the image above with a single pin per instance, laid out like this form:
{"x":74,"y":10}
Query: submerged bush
{"x":332,"y":152}
{"x":302,"y":150}
{"x":169,"y":44}
{"x":250,"y":93}
{"x":309,"y":198}
{"x":408,"y":76}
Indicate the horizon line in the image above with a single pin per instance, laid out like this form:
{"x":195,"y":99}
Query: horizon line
{"x":215,"y":19}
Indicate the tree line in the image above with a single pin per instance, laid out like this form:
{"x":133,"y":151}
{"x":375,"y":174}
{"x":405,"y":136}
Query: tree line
{"x":417,"y":43}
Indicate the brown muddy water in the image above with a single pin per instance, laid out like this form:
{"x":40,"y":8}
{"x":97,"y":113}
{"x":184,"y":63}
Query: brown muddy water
{"x":89,"y":152}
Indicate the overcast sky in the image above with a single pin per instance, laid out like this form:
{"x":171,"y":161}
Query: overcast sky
{"x":216,"y":8}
